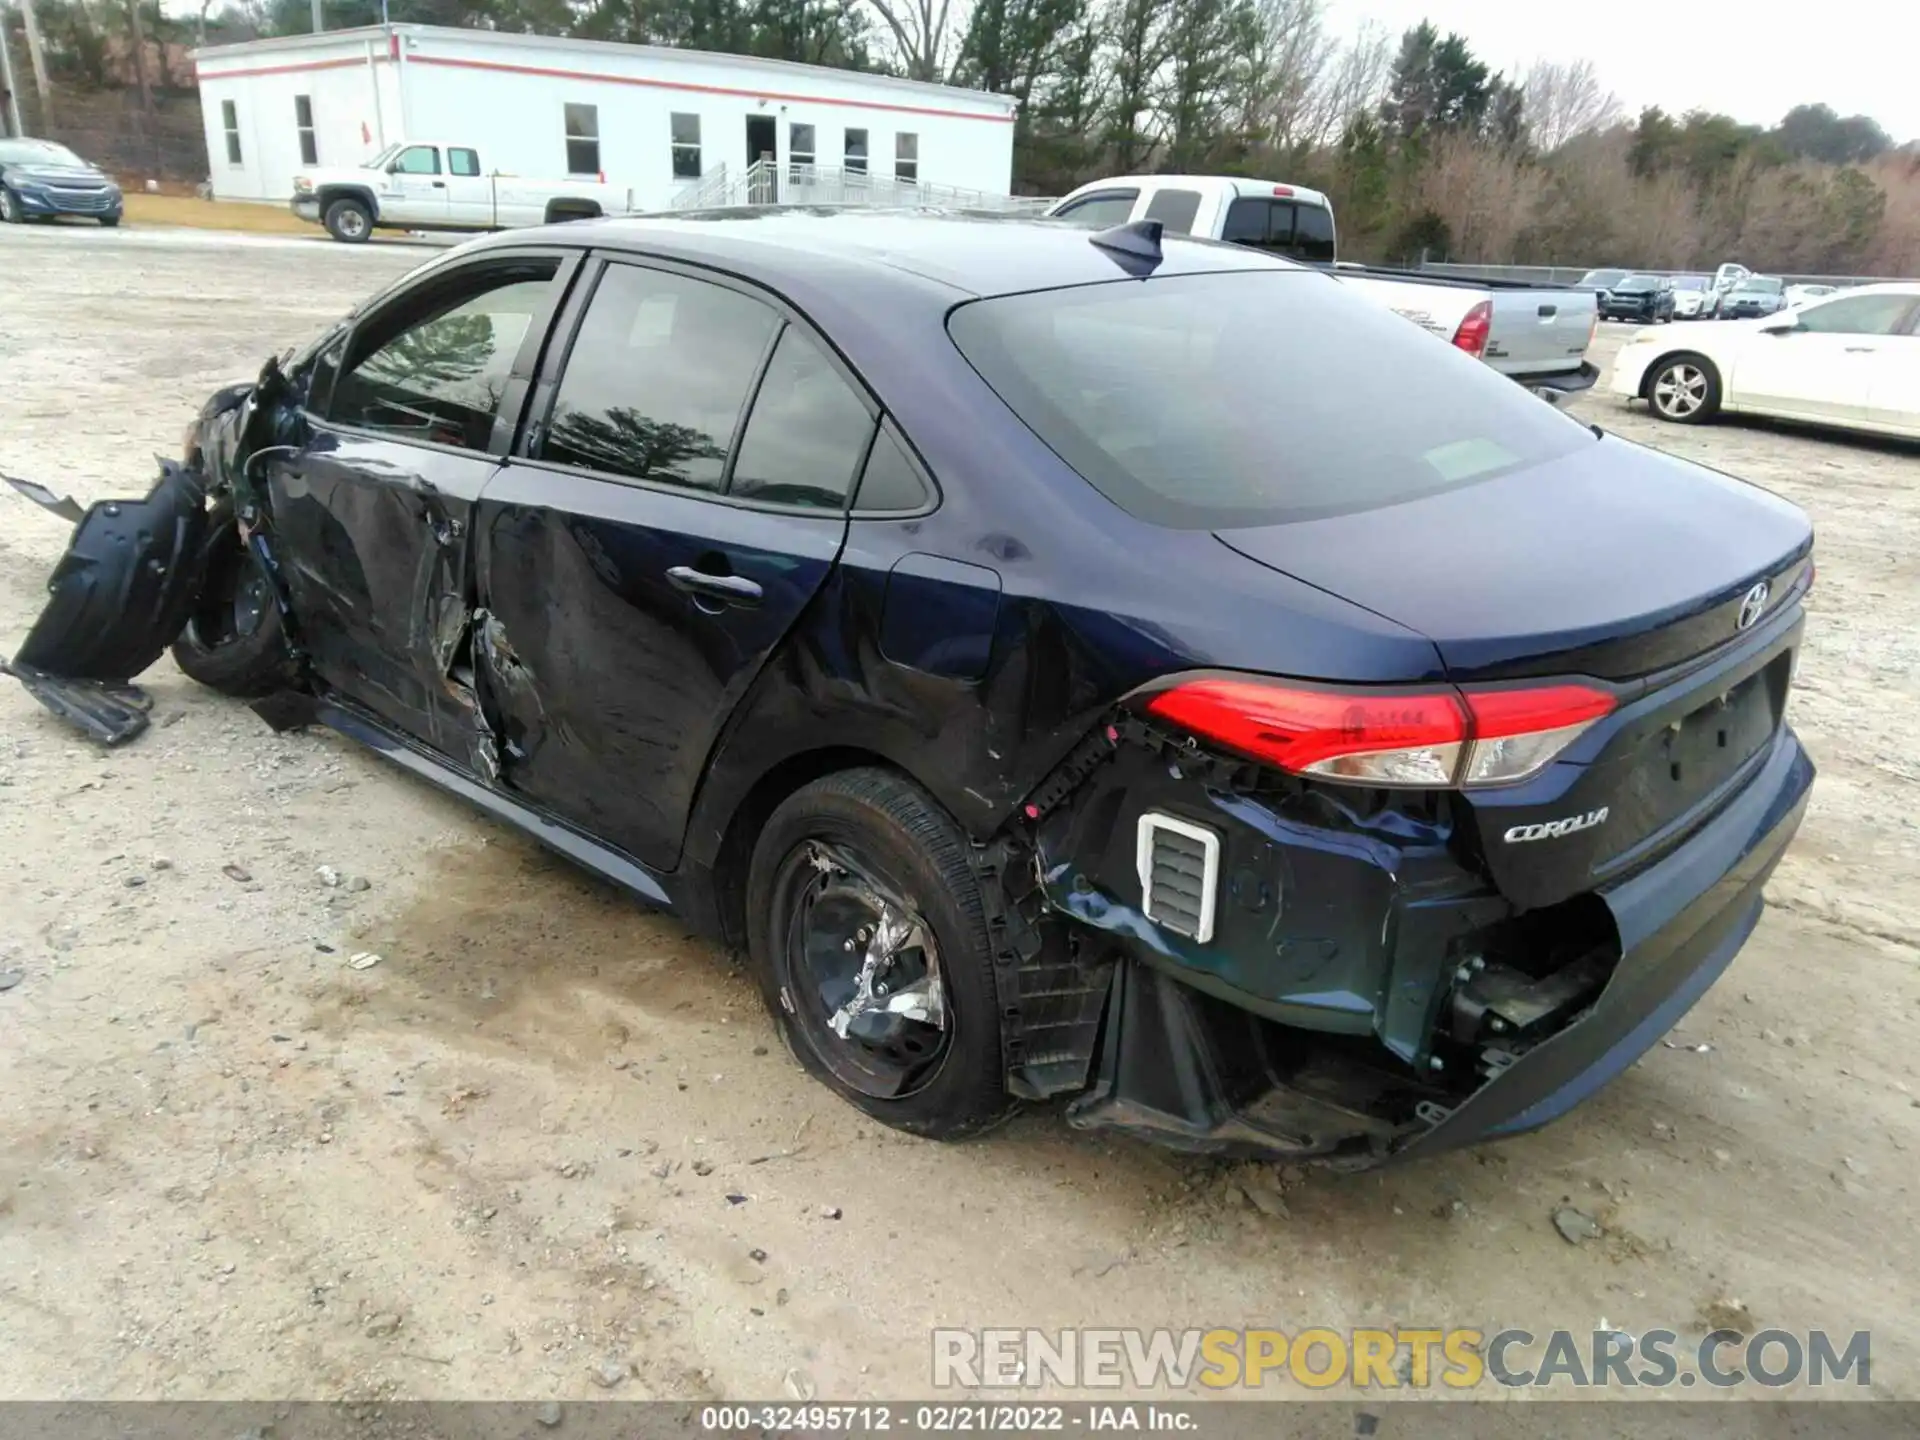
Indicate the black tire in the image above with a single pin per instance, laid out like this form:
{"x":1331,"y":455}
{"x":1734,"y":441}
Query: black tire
{"x":10,"y":211}
{"x":901,"y":842}
{"x":349,"y":221}
{"x":110,"y":222}
{"x":234,"y":640}
{"x":1683,"y":388}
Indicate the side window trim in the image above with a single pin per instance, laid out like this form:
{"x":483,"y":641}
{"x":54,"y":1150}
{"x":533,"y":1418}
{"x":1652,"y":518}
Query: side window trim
{"x":545,"y":388}
{"x":507,"y":420}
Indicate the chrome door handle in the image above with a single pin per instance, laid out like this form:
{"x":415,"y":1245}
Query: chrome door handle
{"x":729,"y":589}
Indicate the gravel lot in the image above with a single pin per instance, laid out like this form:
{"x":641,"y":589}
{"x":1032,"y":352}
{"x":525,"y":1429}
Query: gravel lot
{"x":548,"y":1133}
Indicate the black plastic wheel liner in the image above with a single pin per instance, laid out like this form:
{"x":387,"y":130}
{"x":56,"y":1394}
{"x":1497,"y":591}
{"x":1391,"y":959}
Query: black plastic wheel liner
{"x":122,"y":592}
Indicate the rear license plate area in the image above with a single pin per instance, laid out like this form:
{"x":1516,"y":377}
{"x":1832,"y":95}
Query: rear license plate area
{"x":1684,"y":765}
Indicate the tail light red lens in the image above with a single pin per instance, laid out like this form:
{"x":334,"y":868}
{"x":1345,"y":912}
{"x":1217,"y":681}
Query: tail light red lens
{"x":1474,"y":329}
{"x":1428,"y":739}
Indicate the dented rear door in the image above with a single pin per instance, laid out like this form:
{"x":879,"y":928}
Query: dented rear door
{"x":682,"y":498}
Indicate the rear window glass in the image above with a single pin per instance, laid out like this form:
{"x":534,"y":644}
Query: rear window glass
{"x":1215,"y":401}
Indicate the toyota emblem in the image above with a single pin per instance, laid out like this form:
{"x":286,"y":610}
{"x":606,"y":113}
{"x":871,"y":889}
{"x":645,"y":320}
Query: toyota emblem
{"x":1753,"y":606}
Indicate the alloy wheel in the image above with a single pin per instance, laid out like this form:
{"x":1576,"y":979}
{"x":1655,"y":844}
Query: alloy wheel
{"x":1680,"y":390}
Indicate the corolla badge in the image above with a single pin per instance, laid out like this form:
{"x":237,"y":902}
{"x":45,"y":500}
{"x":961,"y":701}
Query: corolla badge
{"x":1554,"y":829}
{"x":1752,"y":606}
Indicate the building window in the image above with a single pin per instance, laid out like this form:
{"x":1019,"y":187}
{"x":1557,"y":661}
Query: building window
{"x":801,"y":155}
{"x":230,"y":122}
{"x":303,"y":122}
{"x":583,"y":139}
{"x":686,"y":147}
{"x":857,"y":152}
{"x":906,"y":158}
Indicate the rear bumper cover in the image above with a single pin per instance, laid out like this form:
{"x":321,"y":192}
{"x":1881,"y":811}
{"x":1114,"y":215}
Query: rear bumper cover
{"x":1564,"y":386}
{"x":1192,"y":1071}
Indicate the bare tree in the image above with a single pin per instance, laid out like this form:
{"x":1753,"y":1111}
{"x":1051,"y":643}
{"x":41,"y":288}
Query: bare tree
{"x":137,"y":35}
{"x":1485,"y":194}
{"x":37,"y":54}
{"x":925,"y":34}
{"x":1287,"y":68}
{"x":1562,"y":101}
{"x":1352,"y":79}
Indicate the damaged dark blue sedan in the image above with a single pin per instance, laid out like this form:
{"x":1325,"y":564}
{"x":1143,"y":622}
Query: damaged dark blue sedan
{"x":1103,"y":666}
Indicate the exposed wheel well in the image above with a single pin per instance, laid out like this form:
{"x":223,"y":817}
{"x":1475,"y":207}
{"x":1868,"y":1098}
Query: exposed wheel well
{"x":330,"y":193}
{"x":750,"y":816}
{"x":558,"y":210}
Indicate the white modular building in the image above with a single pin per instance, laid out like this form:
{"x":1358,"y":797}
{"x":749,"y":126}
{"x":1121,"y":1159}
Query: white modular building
{"x":655,"y":121}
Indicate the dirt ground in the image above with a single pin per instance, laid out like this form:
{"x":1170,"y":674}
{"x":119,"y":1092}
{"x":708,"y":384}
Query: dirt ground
{"x":547,"y":1132}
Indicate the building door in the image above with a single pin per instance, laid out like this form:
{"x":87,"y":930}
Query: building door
{"x":761,"y":130}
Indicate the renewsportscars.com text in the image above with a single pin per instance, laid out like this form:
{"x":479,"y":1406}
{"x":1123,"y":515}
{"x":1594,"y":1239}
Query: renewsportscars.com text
{"x":1407,"y":1358}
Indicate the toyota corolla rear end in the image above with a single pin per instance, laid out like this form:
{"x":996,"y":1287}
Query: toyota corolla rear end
{"x":1356,"y":916}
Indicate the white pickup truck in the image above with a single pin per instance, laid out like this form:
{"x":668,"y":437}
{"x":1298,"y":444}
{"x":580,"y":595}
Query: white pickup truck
{"x":1535,"y":335}
{"x":427,"y":185}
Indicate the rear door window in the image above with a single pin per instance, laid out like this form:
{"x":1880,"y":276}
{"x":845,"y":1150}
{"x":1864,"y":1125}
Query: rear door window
{"x":891,"y":484}
{"x":1253,"y":398}
{"x":1109,"y":207}
{"x":807,"y":434}
{"x":1174,"y":209}
{"x":658,"y":377}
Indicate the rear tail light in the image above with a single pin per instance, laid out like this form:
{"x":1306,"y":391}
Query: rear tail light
{"x":1428,"y":739}
{"x":1474,"y":329}
{"x":1283,"y":190}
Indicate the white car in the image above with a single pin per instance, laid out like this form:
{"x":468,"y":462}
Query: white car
{"x":1798,"y":295}
{"x":1850,"y":360}
{"x":1690,"y":296}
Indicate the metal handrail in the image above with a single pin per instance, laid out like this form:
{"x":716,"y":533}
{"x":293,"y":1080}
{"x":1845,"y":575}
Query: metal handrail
{"x":766,"y":182}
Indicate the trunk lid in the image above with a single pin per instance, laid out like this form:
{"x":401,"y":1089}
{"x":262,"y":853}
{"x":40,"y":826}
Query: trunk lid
{"x":1649,"y":586}
{"x":1614,"y":561}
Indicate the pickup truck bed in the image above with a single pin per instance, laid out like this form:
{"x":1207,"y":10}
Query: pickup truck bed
{"x":1536,"y":333}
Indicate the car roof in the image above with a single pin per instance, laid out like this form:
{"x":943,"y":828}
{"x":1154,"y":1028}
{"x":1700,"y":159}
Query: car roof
{"x":1231,"y":184}
{"x":973,"y":253}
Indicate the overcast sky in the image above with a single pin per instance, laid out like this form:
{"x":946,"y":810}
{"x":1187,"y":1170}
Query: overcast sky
{"x":1751,"y":61}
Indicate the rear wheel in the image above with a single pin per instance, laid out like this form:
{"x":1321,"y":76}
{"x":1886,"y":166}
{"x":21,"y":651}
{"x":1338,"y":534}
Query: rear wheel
{"x":349,"y":221}
{"x":234,"y":641}
{"x":868,"y":936}
{"x":1684,"y":389}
